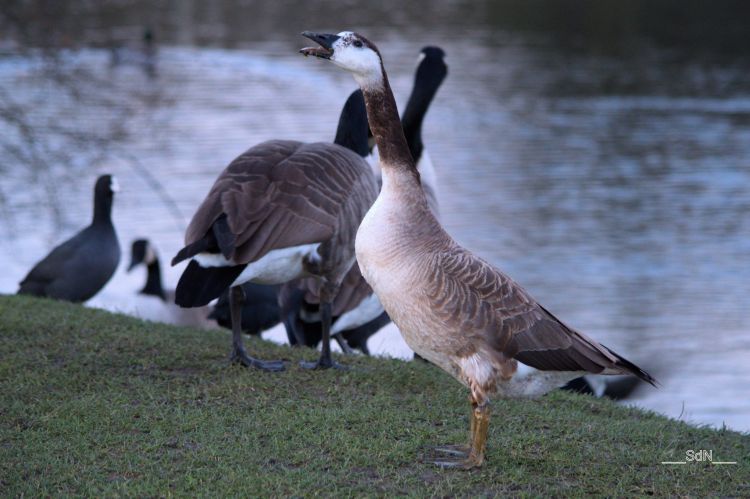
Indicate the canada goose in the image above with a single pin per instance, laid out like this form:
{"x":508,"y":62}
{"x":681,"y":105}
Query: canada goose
{"x":281,"y":211}
{"x":261,"y":309}
{"x":452,"y":308}
{"x":159,"y":303}
{"x":80,"y":267}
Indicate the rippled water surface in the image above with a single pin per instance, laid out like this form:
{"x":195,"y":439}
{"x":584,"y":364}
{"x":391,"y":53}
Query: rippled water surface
{"x":616,"y":191}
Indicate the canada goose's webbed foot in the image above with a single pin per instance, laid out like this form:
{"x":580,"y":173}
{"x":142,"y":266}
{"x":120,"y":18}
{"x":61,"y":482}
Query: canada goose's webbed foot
{"x":241,"y":357}
{"x":323,"y":363}
{"x":453,"y":450}
{"x":461,"y":463}
{"x":451,"y":456}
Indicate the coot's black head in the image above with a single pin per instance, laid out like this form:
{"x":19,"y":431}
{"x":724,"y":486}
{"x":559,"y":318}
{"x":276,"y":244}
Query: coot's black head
{"x":104,"y":191}
{"x":106,"y":186}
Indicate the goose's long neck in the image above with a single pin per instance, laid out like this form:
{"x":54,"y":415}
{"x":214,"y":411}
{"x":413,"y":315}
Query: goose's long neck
{"x":153,"y":281}
{"x":352,"y":129}
{"x":385,"y":124}
{"x":416,"y":108}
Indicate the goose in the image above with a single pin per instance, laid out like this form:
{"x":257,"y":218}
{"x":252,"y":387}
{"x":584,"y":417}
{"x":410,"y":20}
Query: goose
{"x":79,"y":268}
{"x":265,"y":306}
{"x":357,"y":323}
{"x":158,"y":304}
{"x":452,"y":307}
{"x":283,"y":210}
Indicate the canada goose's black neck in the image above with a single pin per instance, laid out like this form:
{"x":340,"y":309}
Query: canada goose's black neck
{"x":352,"y":129}
{"x":102,"y":208}
{"x":385,"y":124}
{"x":153,"y":281}
{"x":426,"y":83}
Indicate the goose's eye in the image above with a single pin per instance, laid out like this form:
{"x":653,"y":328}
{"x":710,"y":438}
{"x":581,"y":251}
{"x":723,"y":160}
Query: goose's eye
{"x":357,"y":44}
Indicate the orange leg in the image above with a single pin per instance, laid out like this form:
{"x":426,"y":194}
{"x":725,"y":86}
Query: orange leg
{"x":481,"y":423}
{"x":472,"y":455}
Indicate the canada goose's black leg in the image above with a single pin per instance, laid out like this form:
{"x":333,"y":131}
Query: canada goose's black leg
{"x":325,"y":361}
{"x":239,"y":355}
{"x":343,"y":344}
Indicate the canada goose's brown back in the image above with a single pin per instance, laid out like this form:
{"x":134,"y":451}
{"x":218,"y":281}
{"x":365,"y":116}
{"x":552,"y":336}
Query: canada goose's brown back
{"x":284,"y":193}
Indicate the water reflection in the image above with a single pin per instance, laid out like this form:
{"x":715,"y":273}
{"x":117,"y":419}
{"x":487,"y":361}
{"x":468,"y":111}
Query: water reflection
{"x":613,"y":187}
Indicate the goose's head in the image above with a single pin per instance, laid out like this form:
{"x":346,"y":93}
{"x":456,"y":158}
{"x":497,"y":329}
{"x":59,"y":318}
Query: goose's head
{"x":141,"y":252}
{"x":432,"y":67}
{"x":350,"y":51}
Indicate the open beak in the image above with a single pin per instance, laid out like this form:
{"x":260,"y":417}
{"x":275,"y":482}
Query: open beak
{"x":325,"y":40}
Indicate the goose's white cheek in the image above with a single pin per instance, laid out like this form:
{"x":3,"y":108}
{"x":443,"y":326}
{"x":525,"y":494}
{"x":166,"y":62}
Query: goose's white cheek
{"x":364,"y":63}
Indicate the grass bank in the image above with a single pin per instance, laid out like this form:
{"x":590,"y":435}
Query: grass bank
{"x":93,"y":403}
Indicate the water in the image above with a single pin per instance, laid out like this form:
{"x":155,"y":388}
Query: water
{"x":614,"y":189}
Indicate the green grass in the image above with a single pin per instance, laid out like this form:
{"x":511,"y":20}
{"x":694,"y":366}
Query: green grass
{"x":95,"y":404}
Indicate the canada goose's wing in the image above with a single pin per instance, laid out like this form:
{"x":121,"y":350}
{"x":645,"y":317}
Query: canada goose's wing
{"x":495,"y":311}
{"x":277,"y":194}
{"x":353,"y":290}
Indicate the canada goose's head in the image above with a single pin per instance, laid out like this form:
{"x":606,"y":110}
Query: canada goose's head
{"x":141,"y":252}
{"x":432,"y":67}
{"x":350,"y":51}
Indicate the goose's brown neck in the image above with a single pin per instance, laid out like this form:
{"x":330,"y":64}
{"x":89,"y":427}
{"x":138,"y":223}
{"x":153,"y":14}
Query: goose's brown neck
{"x":385,"y":124}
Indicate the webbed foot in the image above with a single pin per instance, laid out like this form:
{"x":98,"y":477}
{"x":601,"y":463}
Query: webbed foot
{"x":240,"y":357}
{"x":322,"y":364}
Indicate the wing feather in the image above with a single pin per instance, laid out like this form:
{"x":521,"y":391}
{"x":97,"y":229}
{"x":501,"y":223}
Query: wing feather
{"x":491,"y":309}
{"x":280,"y":194}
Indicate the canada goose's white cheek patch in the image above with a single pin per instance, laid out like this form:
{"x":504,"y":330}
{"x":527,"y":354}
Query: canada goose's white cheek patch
{"x":150,"y":256}
{"x":114,"y":186}
{"x":362,"y":61}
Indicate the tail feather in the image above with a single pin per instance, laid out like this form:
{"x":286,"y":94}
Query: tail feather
{"x":191,"y":250}
{"x":199,"y":285}
{"x":629,"y":368}
{"x":219,"y":238}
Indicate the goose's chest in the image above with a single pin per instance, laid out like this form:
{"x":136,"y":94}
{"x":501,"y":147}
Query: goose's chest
{"x":389,"y":260}
{"x":378,"y":244}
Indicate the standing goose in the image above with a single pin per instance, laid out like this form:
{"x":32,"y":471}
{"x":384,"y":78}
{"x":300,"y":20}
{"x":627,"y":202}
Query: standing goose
{"x":261,"y":309}
{"x":80,"y":267}
{"x":158,"y":303}
{"x":363,"y":315}
{"x":452,"y":307}
{"x":281,"y":211}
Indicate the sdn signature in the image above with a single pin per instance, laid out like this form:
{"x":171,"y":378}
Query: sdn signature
{"x":699,"y":456}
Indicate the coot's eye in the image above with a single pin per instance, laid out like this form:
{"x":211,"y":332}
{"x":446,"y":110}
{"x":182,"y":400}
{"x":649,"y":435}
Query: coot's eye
{"x":357,"y":43}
